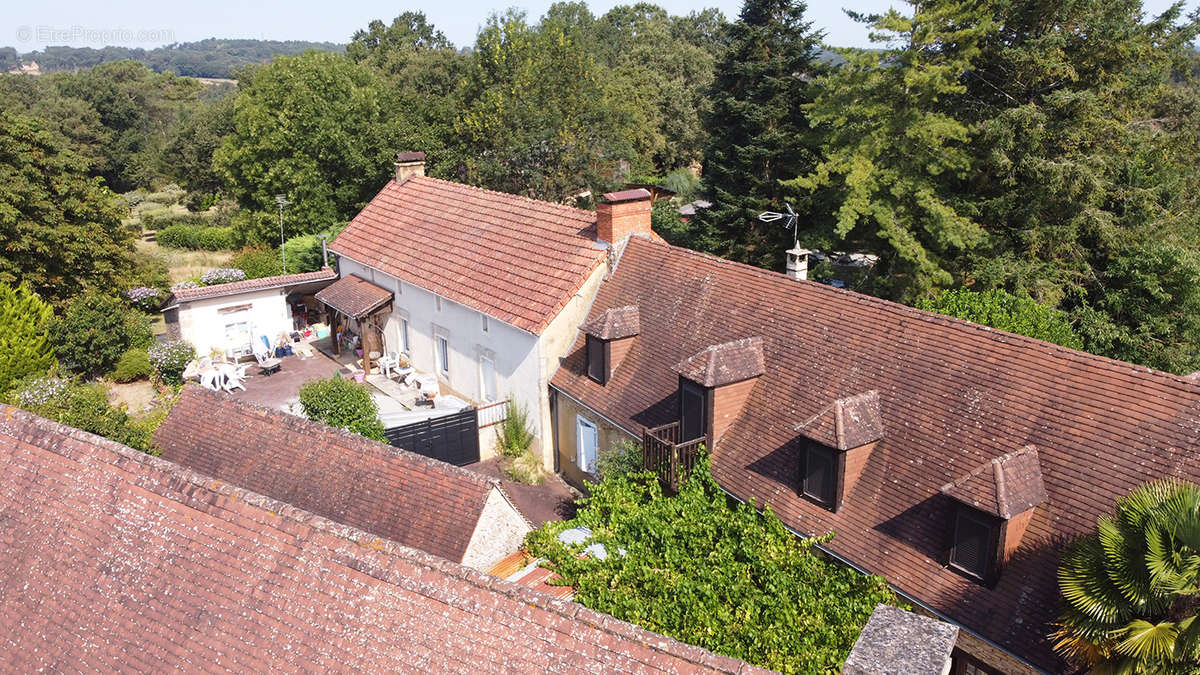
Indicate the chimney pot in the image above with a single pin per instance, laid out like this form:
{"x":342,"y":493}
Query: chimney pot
{"x":620,"y":214}
{"x":409,"y":164}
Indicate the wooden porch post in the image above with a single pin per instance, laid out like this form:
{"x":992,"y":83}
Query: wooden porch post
{"x":333,"y":330}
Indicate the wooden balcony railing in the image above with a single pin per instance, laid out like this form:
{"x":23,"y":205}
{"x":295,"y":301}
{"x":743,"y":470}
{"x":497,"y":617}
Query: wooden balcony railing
{"x":663,"y":454}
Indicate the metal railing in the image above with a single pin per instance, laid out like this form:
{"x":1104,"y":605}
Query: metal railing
{"x":663,"y":454}
{"x":491,"y":414}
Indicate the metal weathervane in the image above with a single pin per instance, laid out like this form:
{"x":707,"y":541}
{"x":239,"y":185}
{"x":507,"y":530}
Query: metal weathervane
{"x":791,"y":216}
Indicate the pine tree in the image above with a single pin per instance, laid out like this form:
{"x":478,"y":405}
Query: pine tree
{"x":758,"y":131}
{"x":25,"y":348}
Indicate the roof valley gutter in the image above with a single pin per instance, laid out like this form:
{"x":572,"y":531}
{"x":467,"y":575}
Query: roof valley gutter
{"x":902,"y":594}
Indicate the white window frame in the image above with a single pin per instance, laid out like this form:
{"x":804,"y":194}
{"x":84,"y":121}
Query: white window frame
{"x":581,"y":459}
{"x":483,"y":380}
{"x":437,"y":301}
{"x":405,"y":345}
{"x":441,"y":354}
{"x":485,"y":322}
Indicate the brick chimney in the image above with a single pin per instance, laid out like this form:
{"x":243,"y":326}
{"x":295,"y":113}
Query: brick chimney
{"x":409,"y":164}
{"x":620,"y":214}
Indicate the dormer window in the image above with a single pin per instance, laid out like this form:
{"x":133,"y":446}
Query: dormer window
{"x":693,"y":410}
{"x":609,"y":338}
{"x":836,"y":444}
{"x":818,"y":474}
{"x":597,"y":359}
{"x":973,"y":549}
{"x":995,"y":503}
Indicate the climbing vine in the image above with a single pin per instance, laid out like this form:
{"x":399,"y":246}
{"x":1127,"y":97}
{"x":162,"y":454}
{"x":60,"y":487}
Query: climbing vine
{"x":713,"y":572}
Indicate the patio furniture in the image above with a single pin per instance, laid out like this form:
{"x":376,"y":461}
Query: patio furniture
{"x":428,"y":386}
{"x":387,"y":362}
{"x":212,"y":378}
{"x":234,"y":376}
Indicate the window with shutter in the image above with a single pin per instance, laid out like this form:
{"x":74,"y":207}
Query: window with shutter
{"x":819,"y":475}
{"x":974,"y":543}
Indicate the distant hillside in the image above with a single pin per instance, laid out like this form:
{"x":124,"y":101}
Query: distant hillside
{"x":207,"y":58}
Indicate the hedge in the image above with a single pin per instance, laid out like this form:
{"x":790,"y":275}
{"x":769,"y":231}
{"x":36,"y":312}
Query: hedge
{"x":197,"y":237}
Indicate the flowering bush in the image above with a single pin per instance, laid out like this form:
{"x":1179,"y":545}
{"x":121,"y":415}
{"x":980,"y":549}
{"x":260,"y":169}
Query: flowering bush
{"x":170,"y":358}
{"x":221,"y":275}
{"x":184,"y":284}
{"x":144,"y":298}
{"x":42,"y":391}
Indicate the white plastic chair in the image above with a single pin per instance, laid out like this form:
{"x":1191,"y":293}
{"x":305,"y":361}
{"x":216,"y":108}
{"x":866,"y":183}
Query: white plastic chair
{"x":234,"y":376}
{"x":213,"y":379}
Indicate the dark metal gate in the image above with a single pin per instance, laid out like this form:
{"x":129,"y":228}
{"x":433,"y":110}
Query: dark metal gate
{"x":451,"y":438}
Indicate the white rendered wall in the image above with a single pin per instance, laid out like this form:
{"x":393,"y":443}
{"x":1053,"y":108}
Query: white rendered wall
{"x":514,"y":351}
{"x":202,"y":324}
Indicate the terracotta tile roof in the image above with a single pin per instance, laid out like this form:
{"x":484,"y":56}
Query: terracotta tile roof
{"x":235,"y":287}
{"x":1006,"y":486}
{"x":847,"y":423}
{"x":113,"y":560}
{"x":415,"y":500}
{"x":614,"y":324}
{"x":515,"y":259}
{"x":953,"y":396}
{"x":724,"y":363}
{"x":354,"y":296}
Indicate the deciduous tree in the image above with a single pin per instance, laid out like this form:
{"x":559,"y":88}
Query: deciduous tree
{"x":60,"y":229}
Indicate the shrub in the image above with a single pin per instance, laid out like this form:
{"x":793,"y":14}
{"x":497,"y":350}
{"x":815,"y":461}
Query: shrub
{"x":144,"y":298}
{"x":513,"y":435}
{"x":83,"y":406}
{"x":25,"y":346}
{"x":621,"y":458}
{"x":221,"y":275}
{"x":95,"y":331}
{"x":134,"y":365}
{"x":713,"y":573}
{"x":257,"y":262}
{"x":344,"y":404}
{"x":303,"y":254}
{"x":197,"y":237}
{"x":169,"y":360}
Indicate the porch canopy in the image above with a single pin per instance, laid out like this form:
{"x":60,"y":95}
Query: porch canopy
{"x":363,"y":301}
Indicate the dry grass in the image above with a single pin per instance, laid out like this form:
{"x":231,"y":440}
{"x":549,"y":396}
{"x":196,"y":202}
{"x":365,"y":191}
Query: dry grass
{"x":137,"y":397}
{"x":524,"y":469}
{"x":183,"y":265}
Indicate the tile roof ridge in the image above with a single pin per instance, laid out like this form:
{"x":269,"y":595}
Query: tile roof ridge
{"x":569,"y":610}
{"x":962,"y":325}
{"x":261,"y":283}
{"x":353,"y":441}
{"x":582,"y":213}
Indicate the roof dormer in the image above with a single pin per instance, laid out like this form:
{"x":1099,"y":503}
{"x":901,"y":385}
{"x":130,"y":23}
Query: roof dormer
{"x":714,"y":385}
{"x":609,"y":338}
{"x":839,"y":440}
{"x":995,"y":504}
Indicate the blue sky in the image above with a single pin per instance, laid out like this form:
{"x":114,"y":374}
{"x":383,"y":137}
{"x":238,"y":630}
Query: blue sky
{"x":33,"y":24}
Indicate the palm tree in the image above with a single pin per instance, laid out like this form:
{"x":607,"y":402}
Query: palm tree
{"x":1130,"y":590}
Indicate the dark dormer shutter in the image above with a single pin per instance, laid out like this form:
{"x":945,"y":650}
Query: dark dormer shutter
{"x":974,"y":543}
{"x":819,"y":474}
{"x":692,"y":403}
{"x":597,"y":360}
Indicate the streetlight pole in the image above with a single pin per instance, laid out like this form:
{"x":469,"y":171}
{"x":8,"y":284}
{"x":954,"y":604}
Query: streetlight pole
{"x":282,"y":201}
